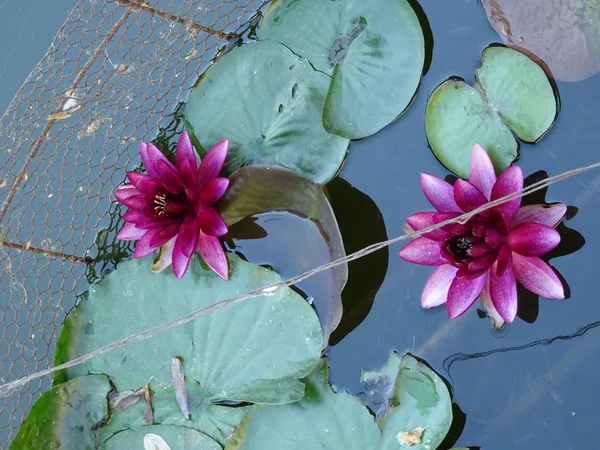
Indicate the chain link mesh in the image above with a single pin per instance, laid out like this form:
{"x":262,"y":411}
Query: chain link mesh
{"x":113,"y":76}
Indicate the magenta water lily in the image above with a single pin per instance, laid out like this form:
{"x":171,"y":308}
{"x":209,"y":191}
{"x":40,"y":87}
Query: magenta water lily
{"x":487,"y":255}
{"x":171,"y":207}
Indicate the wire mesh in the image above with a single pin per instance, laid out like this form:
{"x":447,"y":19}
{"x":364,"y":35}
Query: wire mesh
{"x":113,"y":76}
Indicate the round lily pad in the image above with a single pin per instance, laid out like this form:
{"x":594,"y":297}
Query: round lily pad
{"x":458,"y":116}
{"x":252,"y":351}
{"x":63,"y":417}
{"x":161,"y":437}
{"x":268,"y":103}
{"x":373,"y":50}
{"x":519,"y":90}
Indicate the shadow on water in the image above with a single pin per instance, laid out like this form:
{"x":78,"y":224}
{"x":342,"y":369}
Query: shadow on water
{"x":361,"y":225}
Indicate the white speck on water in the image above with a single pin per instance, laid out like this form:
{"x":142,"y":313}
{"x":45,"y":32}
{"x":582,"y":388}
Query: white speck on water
{"x":573,"y":413}
{"x":70,"y":104}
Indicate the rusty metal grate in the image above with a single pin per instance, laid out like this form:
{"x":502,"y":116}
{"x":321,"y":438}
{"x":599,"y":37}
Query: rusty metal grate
{"x":113,"y":76}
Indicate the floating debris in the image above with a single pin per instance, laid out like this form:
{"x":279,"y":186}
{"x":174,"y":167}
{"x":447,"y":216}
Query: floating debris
{"x":155,"y":442}
{"x":123,"y":400}
{"x":412,"y":437}
{"x":178,"y":382}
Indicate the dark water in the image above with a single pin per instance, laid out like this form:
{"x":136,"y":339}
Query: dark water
{"x":521,"y":388}
{"x":531,"y":385}
{"x":28,"y":27}
{"x":541,"y":397}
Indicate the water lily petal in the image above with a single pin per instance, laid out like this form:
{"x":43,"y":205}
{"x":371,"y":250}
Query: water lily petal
{"x":212,"y":164}
{"x":427,"y":219}
{"x":136,"y":217}
{"x":180,"y":261}
{"x":481,"y":173}
{"x":187,"y":239}
{"x":143,"y":149}
{"x":145,"y":183}
{"x":151,"y":156}
{"x":533,"y":239}
{"x":212,"y":253}
{"x":436,"y":289}
{"x":537,"y":276}
{"x":423,"y":251}
{"x":130,"y":233}
{"x":124,"y":192}
{"x":143,"y":247}
{"x":139,"y":201}
{"x":463,"y":292}
{"x":467,"y":196}
{"x":439,"y":193}
{"x":213,"y":190}
{"x":185,"y":152}
{"x":170,"y":177}
{"x":509,"y":182}
{"x":160,"y":236}
{"x":491,"y":311}
{"x":549,"y":215}
{"x":211,"y":222}
{"x":482,"y":263}
{"x":503,"y":292}
{"x":504,"y":260}
{"x":165,"y":257}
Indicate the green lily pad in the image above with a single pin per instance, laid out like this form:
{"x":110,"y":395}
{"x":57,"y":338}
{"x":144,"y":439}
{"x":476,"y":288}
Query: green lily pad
{"x":64,"y":416}
{"x":253,"y":351}
{"x":268,"y":103}
{"x":177,"y":438}
{"x":420,"y":401}
{"x":512,"y":94}
{"x":328,"y":420}
{"x":255,"y":190}
{"x":374,"y":52}
{"x":217,"y":421}
{"x":519,"y":90}
{"x":457,"y":116}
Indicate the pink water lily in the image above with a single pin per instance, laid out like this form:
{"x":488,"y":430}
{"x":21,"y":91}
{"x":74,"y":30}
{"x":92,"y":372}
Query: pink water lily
{"x":171,"y":206}
{"x":487,"y":255}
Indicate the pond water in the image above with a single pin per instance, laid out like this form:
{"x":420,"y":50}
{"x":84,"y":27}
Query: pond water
{"x":528,"y":386}
{"x":533,"y":384}
{"x":518,"y":388}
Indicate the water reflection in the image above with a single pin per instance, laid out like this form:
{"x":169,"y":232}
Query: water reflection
{"x":458,"y":357}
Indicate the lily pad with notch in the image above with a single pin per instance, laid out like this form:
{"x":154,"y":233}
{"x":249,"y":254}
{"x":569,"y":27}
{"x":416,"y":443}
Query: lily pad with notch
{"x":512,"y":95}
{"x":373,"y":50}
{"x":229,"y":353}
{"x":268,"y":103}
{"x":420,"y":411}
